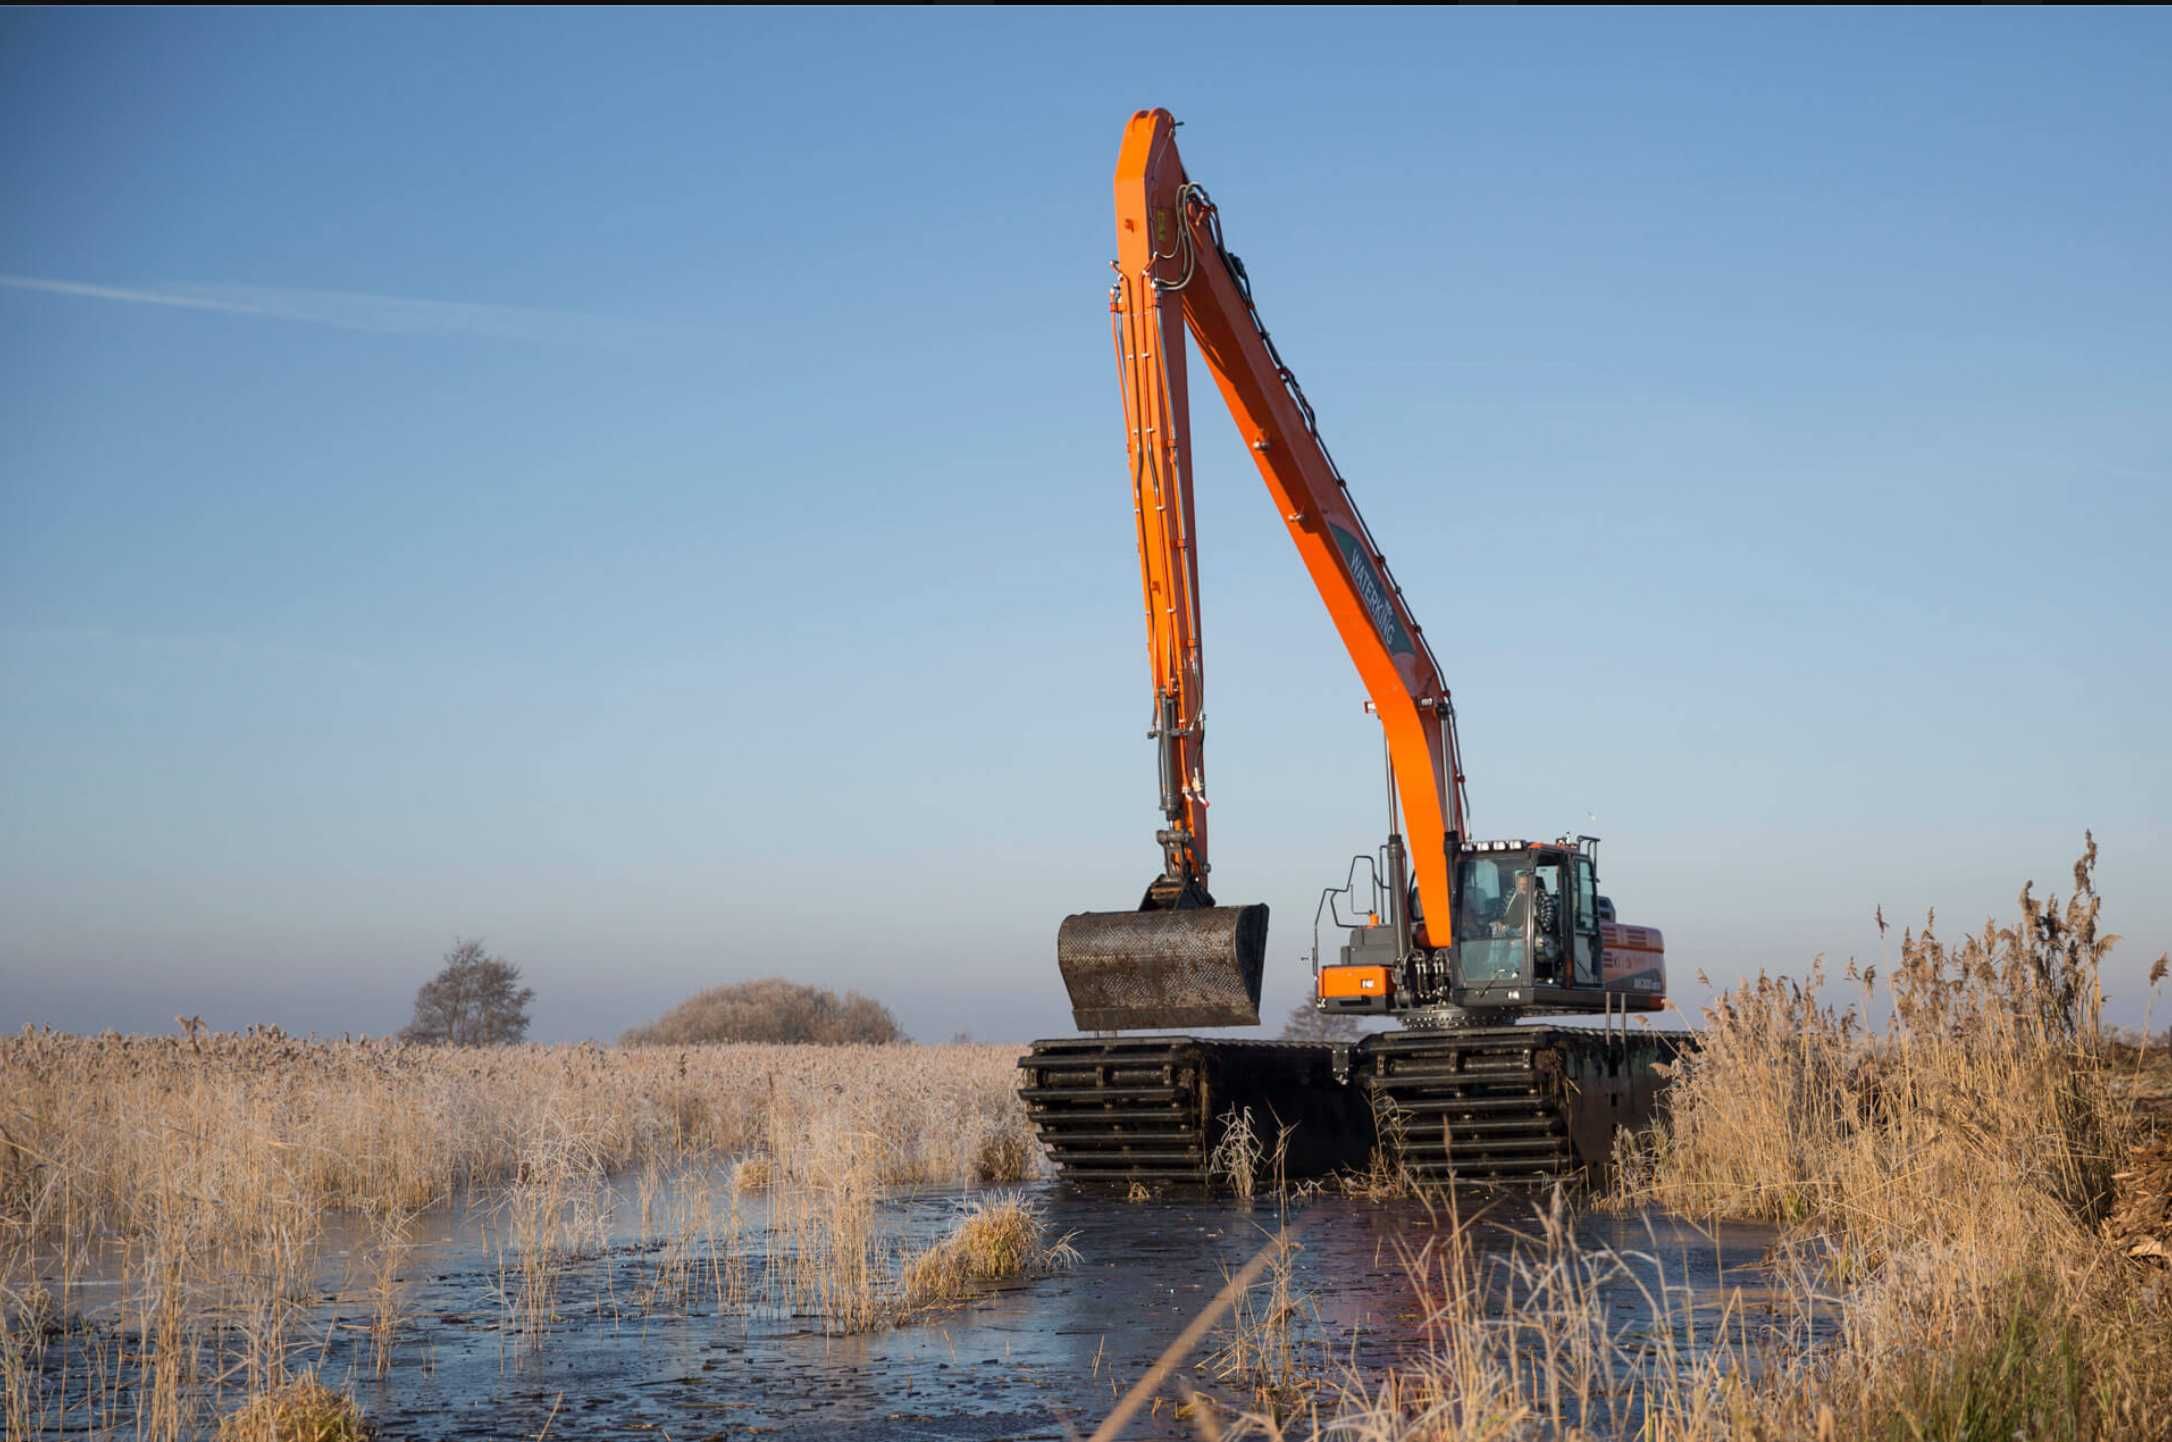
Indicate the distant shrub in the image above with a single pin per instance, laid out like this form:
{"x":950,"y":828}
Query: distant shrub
{"x":772,"y":1010}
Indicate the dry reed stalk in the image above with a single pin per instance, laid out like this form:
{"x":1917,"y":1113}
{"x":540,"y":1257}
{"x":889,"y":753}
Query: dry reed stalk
{"x":649,"y":1185}
{"x":727,"y":1261}
{"x":1271,"y":1352}
{"x":558,"y":1202}
{"x":270,"y":1286}
{"x":391,"y":1245}
{"x":690,"y":1246}
{"x":1237,"y":1154}
{"x":1267,"y":1354}
{"x":822,"y":1234}
{"x":167,"y":1334}
{"x":22,"y":1359}
{"x":1387,"y":1176}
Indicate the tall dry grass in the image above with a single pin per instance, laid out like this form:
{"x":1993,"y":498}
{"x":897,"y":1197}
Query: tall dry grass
{"x":199,"y":1172}
{"x":102,"y":1129}
{"x":1943,"y":1276}
{"x":1532,"y":1340}
{"x":1991,"y":1083}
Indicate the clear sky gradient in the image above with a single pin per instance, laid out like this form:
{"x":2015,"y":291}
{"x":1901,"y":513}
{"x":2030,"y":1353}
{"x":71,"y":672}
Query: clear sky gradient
{"x":647,"y":489}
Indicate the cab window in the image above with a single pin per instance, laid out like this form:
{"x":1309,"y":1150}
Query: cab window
{"x":1479,"y":893}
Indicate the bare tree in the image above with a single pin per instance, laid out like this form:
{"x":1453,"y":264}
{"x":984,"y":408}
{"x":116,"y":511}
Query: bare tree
{"x":1308,"y":1023}
{"x":476,"y":1000}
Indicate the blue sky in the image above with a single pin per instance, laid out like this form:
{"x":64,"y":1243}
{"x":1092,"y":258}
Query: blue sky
{"x":647,"y":489}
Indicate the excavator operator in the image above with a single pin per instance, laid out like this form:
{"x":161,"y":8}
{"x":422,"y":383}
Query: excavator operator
{"x":1532,"y":896}
{"x":1516,"y":910}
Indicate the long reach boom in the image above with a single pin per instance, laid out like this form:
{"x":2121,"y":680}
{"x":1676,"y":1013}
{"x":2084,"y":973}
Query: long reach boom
{"x":1174,"y":272}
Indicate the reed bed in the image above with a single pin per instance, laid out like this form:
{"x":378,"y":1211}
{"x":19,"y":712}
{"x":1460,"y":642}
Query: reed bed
{"x":1966,"y":1197}
{"x":1991,"y":1084}
{"x":1527,"y":1341}
{"x":101,"y":1130}
{"x":200,"y":1171}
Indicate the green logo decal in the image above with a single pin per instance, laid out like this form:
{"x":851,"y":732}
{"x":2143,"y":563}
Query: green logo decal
{"x":1373,"y":591}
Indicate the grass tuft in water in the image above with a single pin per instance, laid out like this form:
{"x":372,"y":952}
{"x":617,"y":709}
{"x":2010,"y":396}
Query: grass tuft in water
{"x":999,"y":1239}
{"x":303,"y":1410}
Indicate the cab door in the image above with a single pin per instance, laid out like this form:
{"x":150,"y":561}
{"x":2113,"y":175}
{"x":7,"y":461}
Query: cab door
{"x":1584,"y":924}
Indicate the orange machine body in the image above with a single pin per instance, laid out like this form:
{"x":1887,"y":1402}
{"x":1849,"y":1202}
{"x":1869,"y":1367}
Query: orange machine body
{"x":1339,"y":983}
{"x":1174,"y":275}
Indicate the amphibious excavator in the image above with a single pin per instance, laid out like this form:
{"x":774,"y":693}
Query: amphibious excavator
{"x":1451,"y":938}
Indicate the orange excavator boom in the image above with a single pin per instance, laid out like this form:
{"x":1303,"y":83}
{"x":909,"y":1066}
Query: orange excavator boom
{"x":1175,"y":274}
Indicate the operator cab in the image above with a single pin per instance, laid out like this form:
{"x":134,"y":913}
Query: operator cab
{"x":1527,"y":917}
{"x":1532,"y":934}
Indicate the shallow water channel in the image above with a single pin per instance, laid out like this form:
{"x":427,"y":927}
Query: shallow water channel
{"x":1038,"y":1358}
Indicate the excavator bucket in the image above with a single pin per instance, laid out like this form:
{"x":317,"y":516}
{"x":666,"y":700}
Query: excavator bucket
{"x":1156,"y":970}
